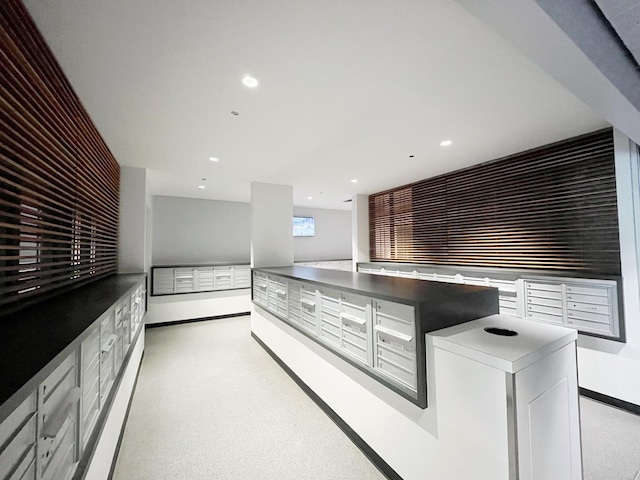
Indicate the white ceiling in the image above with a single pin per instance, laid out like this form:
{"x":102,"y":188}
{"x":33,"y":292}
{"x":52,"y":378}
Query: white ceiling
{"x":348,"y":89}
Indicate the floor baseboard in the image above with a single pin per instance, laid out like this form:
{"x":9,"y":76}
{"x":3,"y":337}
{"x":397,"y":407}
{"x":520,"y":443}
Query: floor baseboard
{"x":192,"y":320}
{"x":614,"y":402}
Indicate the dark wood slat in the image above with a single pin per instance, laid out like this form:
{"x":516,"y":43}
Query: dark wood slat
{"x":59,"y":183}
{"x":553,"y":207}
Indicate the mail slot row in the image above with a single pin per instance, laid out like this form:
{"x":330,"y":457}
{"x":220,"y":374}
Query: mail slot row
{"x":193,"y":279}
{"x":45,"y":437}
{"x":507,"y":288}
{"x":377,"y":335}
{"x":588,"y":305}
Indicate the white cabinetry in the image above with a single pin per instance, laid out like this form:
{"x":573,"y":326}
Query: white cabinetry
{"x":584,"y":304}
{"x":395,"y":343}
{"x":308,"y":306}
{"x":538,"y":401}
{"x":58,"y":397}
{"x":205,"y":278}
{"x":163,"y":281}
{"x":18,"y":442}
{"x":344,"y":265}
{"x":330,"y":320}
{"x":356,"y":326}
{"x":368,"y":327}
{"x":587,"y":305}
{"x":90,"y":383}
{"x":45,"y":437}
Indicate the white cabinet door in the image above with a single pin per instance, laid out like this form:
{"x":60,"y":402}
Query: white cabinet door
{"x":547,"y":418}
{"x":163,"y":281}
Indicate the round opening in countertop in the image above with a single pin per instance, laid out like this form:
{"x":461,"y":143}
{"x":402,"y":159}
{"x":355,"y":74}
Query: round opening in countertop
{"x":503,"y":332}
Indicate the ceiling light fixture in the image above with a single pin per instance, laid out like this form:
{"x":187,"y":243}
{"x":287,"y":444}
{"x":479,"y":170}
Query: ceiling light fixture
{"x":249,"y":81}
{"x":309,"y":198}
{"x":201,"y":186}
{"x":445,"y":143}
{"x":213,"y":159}
{"x":354,"y":180}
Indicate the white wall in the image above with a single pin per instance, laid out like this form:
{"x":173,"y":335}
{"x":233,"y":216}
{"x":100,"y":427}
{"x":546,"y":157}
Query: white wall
{"x":333,"y":235}
{"x":607,"y":367}
{"x":148,"y":233}
{"x":188,"y":230}
{"x":132,"y":235}
{"x":360,"y":226}
{"x":271,"y":225}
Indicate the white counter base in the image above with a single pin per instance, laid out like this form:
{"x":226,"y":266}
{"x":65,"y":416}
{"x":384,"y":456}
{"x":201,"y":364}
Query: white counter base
{"x":463,"y":434}
{"x":169,"y":308}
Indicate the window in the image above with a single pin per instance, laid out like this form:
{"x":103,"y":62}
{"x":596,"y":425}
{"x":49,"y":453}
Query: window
{"x":304,"y":227}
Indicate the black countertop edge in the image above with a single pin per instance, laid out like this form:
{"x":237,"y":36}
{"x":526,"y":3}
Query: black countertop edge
{"x":402,"y":290}
{"x":36,"y":339}
{"x":498,"y":272}
{"x":206,"y":264}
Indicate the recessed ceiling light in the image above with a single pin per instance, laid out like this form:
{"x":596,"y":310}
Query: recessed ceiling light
{"x":213,"y":159}
{"x":201,"y":186}
{"x":445,"y":143}
{"x":354,"y":180}
{"x":309,"y":198}
{"x":249,"y":81}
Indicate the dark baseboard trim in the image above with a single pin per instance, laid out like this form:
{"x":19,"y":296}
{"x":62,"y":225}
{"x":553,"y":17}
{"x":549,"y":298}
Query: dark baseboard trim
{"x":368,"y":452}
{"x":192,"y":320}
{"x":614,"y":402}
{"x":116,"y":453}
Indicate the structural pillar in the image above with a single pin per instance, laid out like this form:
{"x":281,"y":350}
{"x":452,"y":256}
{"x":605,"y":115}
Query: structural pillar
{"x":359,"y":229}
{"x":271,"y":225}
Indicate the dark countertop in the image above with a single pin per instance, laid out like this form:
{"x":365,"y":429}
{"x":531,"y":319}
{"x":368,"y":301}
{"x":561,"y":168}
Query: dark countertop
{"x":31,"y":338}
{"x":402,"y":290}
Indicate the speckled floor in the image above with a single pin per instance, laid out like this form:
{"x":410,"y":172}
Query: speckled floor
{"x":610,"y":442}
{"x":211,"y":404}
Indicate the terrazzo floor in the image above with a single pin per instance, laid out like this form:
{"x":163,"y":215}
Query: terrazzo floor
{"x":211,"y":404}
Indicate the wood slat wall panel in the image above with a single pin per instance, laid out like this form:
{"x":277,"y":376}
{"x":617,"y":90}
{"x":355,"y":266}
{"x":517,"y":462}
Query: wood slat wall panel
{"x":551,"y":208}
{"x":58,"y":181}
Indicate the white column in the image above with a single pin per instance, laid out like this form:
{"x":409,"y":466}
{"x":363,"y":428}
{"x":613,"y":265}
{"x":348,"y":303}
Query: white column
{"x":626,"y":163}
{"x":360,"y":229}
{"x":132,"y":241}
{"x":271,"y":225}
